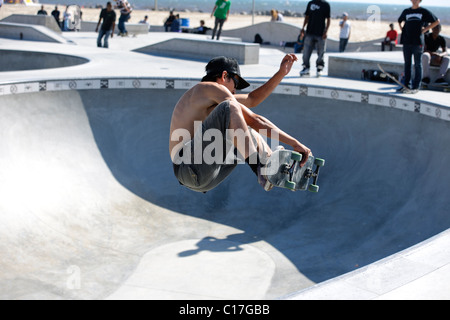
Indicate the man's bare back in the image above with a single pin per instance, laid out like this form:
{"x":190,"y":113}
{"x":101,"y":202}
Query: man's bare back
{"x":195,"y":105}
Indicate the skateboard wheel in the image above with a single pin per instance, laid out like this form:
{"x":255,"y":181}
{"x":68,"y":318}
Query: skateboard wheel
{"x":296,"y":156}
{"x":313,"y":188}
{"x":290,"y":185}
{"x":319,"y":162}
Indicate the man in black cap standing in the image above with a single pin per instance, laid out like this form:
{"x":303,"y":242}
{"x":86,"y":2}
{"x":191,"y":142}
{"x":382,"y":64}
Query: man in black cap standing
{"x":213,"y":128}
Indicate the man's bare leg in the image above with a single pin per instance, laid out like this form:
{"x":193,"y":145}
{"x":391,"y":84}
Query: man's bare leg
{"x":250,"y":144}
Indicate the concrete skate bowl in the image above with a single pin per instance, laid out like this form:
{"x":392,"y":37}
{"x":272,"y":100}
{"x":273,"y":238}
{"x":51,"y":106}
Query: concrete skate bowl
{"x":17,"y":60}
{"x":90,"y":208}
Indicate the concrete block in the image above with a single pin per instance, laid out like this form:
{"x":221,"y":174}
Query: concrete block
{"x":39,"y":20}
{"x":204,"y":50}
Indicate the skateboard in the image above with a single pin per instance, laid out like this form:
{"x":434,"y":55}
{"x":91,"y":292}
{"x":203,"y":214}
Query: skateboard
{"x":283,"y":170}
{"x":377,"y":75}
{"x":436,"y":87}
{"x":407,"y":90}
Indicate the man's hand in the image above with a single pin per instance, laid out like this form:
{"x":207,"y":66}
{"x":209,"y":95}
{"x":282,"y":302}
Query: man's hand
{"x":287,"y":62}
{"x":304,"y":150}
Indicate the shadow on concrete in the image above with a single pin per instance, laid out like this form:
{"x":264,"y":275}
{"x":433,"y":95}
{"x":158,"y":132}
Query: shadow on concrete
{"x":381,"y":191}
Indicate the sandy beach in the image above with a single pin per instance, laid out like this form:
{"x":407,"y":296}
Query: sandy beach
{"x":361,"y":30}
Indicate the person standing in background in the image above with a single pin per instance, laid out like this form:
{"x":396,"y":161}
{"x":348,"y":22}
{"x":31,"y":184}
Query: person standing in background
{"x":414,"y":22}
{"x":220,"y":11}
{"x":276,"y":16}
{"x":42,"y":12}
{"x":176,"y":24}
{"x":317,"y":13}
{"x":56,"y":14}
{"x":344,"y":35}
{"x":168,"y":22}
{"x":109,"y":23}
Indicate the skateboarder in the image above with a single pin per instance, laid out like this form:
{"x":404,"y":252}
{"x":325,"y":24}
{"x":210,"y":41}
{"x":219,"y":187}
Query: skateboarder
{"x":213,"y":128}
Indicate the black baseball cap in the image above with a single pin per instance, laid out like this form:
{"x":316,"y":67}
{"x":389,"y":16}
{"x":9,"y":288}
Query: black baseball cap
{"x":219,"y":64}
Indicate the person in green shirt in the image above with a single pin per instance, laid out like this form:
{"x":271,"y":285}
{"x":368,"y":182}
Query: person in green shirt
{"x":220,"y":11}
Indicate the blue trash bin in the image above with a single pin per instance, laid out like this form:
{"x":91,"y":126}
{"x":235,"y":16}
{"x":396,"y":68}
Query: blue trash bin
{"x":185,"y":22}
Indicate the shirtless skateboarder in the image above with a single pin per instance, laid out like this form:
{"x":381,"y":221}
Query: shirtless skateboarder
{"x":213,"y":128}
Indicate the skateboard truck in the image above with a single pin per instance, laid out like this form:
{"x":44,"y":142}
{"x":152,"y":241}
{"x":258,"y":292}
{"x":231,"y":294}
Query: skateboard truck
{"x":290,"y":175}
{"x":315,"y":175}
{"x":308,"y":174}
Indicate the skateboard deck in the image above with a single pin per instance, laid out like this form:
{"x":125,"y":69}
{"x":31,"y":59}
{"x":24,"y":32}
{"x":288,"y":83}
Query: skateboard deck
{"x":394,"y":79}
{"x":436,"y":87}
{"x":377,"y":75}
{"x":283,"y":170}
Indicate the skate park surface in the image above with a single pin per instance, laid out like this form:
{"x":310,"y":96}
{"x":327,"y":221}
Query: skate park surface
{"x":90,"y":208}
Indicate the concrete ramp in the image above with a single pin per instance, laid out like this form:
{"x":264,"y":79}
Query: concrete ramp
{"x":90,"y":208}
{"x":35,"y":20}
{"x":20,"y":31}
{"x":21,"y":60}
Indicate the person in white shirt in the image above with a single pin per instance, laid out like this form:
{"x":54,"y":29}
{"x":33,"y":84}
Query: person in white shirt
{"x":344,"y":35}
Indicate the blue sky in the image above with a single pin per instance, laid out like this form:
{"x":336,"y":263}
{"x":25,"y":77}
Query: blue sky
{"x":439,"y":3}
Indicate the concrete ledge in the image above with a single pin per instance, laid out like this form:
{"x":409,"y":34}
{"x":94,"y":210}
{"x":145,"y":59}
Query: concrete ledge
{"x":132,"y":28}
{"x":350,"y":66}
{"x":204,"y":50}
{"x":273,"y":32}
{"x":39,"y":20}
{"x":276,"y":32}
{"x":17,"y":31}
{"x":20,"y":60}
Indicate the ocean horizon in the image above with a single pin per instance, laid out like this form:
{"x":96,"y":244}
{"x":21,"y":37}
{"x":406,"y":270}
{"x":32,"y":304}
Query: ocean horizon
{"x":358,"y":11}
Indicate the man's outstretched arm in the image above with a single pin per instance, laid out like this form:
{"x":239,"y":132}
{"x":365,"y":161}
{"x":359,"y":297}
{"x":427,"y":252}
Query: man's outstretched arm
{"x":263,"y":125}
{"x":258,"y":95}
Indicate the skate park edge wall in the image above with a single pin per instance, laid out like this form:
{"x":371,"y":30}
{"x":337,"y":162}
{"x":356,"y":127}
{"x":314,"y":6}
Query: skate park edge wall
{"x":20,"y":60}
{"x":382,"y":190}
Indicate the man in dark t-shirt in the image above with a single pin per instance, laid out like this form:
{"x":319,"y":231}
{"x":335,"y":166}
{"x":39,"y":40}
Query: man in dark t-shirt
{"x":56,"y":14}
{"x":433,"y":42}
{"x":317,"y":21}
{"x":109,"y":23}
{"x":414,"y":22}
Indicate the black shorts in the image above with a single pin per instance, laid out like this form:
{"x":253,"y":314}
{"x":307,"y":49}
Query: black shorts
{"x":202,"y":177}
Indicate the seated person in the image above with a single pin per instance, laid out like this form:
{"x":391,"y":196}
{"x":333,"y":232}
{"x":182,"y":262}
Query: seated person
{"x":298,"y":45}
{"x":168,"y":22}
{"x":202,"y":29}
{"x":176,"y":24}
{"x":431,"y":56}
{"x":391,"y":38}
